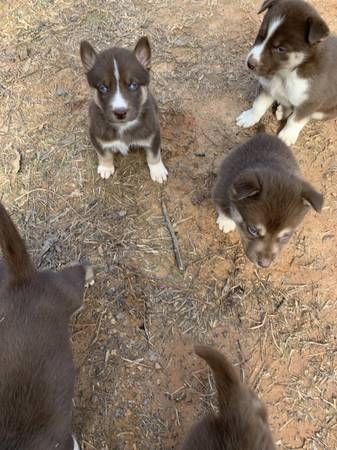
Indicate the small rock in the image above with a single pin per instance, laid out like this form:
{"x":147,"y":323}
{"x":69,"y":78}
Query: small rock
{"x":157,"y":366}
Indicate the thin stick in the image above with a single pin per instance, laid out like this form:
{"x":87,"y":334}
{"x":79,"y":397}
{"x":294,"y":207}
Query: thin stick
{"x":169,"y":226}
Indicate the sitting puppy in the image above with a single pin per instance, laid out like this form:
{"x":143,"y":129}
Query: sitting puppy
{"x":123,"y":112}
{"x":260,"y":191}
{"x":241,"y":423}
{"x":294,"y":58}
{"x":36,"y":367}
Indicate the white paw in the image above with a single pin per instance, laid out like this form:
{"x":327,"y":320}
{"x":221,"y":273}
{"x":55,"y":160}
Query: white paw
{"x":279,"y":113}
{"x":225,"y":223}
{"x":289,"y":135}
{"x":247,"y":118}
{"x":105,"y":171}
{"x":76,"y":446}
{"x":158,"y":172}
{"x":89,"y":276}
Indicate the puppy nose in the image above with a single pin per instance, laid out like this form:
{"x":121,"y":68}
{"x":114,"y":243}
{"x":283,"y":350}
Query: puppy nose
{"x":252,"y":63}
{"x":120,"y":113}
{"x":264,"y":262}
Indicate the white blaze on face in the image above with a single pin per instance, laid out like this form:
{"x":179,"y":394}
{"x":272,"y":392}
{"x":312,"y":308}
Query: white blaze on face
{"x":257,"y":51}
{"x":118,"y":101}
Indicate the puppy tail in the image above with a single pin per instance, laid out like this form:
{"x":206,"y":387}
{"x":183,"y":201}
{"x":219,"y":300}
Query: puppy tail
{"x":226,"y":378}
{"x":17,"y":261}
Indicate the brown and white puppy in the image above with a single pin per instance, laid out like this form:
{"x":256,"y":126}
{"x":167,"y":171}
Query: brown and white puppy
{"x":294,"y":58}
{"x":36,"y":366}
{"x":123,"y":112}
{"x":241,"y":423}
{"x":260,"y":191}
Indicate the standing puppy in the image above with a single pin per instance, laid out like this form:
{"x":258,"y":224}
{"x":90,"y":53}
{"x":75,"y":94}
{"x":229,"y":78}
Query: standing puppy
{"x":294,"y":58}
{"x":260,"y":191}
{"x":241,"y":423}
{"x":36,"y":367}
{"x":123,"y":112}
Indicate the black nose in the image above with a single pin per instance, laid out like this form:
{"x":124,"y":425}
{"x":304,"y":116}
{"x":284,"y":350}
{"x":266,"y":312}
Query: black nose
{"x":251,"y":63}
{"x":120,"y":113}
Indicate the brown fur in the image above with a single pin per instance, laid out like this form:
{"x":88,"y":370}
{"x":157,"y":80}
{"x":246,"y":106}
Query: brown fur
{"x":259,"y":185}
{"x":36,"y":367}
{"x":241,"y":423}
{"x":141,"y":110}
{"x":305,"y":32}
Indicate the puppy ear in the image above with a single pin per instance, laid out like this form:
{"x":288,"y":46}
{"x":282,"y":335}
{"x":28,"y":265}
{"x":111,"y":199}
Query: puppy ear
{"x":246,"y":185}
{"x":318,"y":30}
{"x":311,"y":197}
{"x":267,"y":4}
{"x":88,"y":56}
{"x":143,"y":52}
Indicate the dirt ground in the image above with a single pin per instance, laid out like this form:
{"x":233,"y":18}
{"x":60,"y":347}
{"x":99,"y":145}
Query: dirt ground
{"x":139,"y":385}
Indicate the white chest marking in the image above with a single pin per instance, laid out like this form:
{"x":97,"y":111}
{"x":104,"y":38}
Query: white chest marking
{"x":118,"y":146}
{"x":258,"y":49}
{"x":118,"y":101}
{"x":287,"y":88}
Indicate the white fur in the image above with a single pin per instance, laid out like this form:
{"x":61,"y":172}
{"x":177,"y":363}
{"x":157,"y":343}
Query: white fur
{"x":226,"y":224}
{"x":318,"y":116}
{"x":105,"y":171}
{"x":252,"y":116}
{"x":284,"y":232}
{"x":76,"y":446}
{"x":118,"y":101}
{"x":115,"y":146}
{"x":158,"y":171}
{"x":292,"y":129}
{"x":122,"y":127}
{"x":283,"y":112}
{"x":257,"y":51}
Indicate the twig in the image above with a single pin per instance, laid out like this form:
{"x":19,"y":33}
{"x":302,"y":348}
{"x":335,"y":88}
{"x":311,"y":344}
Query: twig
{"x":179,"y":260}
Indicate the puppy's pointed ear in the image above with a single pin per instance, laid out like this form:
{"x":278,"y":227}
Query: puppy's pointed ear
{"x":311,"y":197}
{"x":267,"y":4}
{"x":246,"y":185}
{"x":143,"y":52}
{"x":88,"y":56}
{"x":317,"y":30}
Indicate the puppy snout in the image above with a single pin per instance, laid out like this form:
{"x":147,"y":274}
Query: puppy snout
{"x":252,"y":63}
{"x":120,"y":113}
{"x":265,"y":261}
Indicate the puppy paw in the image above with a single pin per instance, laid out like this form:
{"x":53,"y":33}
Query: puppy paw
{"x":247,"y":118}
{"x":279,"y":113}
{"x":288,"y":135}
{"x":225,"y":223}
{"x":89,"y":276}
{"x":105,"y":171}
{"x":158,"y":172}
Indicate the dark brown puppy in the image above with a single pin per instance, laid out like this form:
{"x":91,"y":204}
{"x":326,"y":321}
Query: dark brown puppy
{"x":294,"y":58}
{"x":260,"y":191}
{"x":123,"y":112}
{"x":241,"y":423}
{"x":36,"y":366}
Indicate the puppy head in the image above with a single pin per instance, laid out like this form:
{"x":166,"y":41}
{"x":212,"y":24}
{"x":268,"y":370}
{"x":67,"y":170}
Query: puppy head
{"x":289,"y":34}
{"x":268,"y":207}
{"x":120,"y":79}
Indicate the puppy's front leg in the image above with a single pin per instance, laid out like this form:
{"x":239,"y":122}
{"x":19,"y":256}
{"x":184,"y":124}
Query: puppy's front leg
{"x":225,"y":223}
{"x":252,"y":116}
{"x":292,"y":129}
{"x":158,"y":171}
{"x":106,"y":166}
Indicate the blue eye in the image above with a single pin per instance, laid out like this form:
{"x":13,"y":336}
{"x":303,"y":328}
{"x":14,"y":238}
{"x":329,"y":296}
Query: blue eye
{"x":253,"y":231}
{"x":103,"y":89}
{"x":280,"y":49}
{"x":285,"y":237}
{"x":133,"y":86}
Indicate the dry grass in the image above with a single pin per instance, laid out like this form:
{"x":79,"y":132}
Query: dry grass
{"x":139,"y":385}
